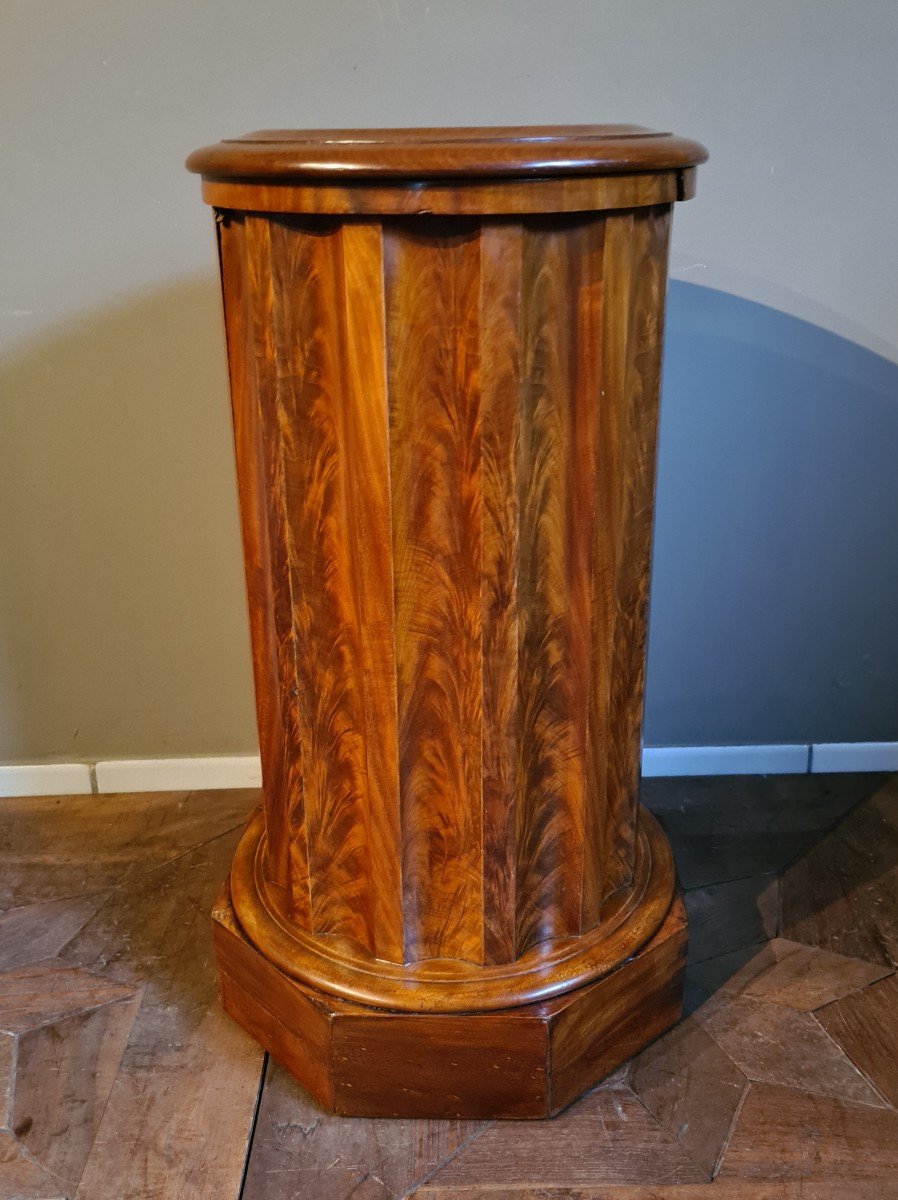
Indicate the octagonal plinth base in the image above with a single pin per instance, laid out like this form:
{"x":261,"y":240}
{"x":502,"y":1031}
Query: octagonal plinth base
{"x":526,"y":1062}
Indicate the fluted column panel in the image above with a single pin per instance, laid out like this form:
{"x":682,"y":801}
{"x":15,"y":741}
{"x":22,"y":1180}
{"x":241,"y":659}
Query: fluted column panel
{"x":434,"y":410}
{"x":636,"y":274}
{"x":449,"y":558}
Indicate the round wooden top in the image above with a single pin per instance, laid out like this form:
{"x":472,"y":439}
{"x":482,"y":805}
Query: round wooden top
{"x":476,"y":152}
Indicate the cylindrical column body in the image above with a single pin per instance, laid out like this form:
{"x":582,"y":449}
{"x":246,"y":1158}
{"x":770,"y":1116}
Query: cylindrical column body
{"x":445,"y":378}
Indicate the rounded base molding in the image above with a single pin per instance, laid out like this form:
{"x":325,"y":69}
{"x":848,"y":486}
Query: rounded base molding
{"x":342,"y":969}
{"x":518,"y":1063}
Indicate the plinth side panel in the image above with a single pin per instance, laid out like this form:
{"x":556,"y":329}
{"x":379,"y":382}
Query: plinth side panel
{"x":445,"y":432}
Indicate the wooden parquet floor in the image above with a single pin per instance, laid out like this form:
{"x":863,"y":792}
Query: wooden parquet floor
{"x":120,"y":1078}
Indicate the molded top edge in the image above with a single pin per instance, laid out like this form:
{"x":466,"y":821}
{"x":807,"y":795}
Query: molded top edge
{"x":526,"y":151}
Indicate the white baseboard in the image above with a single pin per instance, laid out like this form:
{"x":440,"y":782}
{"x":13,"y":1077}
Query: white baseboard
{"x":724,"y":760}
{"x":854,"y":756}
{"x":45,"y":779}
{"x":177,"y":774}
{"x":207,"y":774}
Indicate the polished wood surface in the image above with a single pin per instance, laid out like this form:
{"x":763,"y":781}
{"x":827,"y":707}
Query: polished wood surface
{"x":117,"y":1063}
{"x":518,"y":151}
{"x":458,"y":538}
{"x":523,"y":1063}
{"x":457,"y":197}
{"x":451,"y":985}
{"x":445,"y":425}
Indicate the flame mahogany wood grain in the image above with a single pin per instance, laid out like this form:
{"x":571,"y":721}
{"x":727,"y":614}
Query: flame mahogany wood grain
{"x":430,"y":328}
{"x":500,"y":383}
{"x":263,"y":543}
{"x":445,"y":389}
{"x":344,"y":968}
{"x":459,"y":630}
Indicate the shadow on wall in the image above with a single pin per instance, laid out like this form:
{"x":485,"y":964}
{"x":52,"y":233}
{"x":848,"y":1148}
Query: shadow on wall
{"x":122,"y":626}
{"x":775,"y":592}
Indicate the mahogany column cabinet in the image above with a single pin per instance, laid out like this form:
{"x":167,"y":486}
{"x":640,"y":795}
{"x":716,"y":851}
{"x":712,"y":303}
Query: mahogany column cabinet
{"x":444,"y":353}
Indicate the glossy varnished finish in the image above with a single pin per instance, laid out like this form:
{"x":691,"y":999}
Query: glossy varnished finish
{"x":458,"y":537}
{"x":455,"y":197}
{"x":522,"y":1063}
{"x":445,"y":387}
{"x":452,"y":985}
{"x":470,"y":152}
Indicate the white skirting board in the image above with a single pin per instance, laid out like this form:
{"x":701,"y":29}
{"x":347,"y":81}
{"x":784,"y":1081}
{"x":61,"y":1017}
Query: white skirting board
{"x":45,"y":779}
{"x":206,"y":774}
{"x":854,"y":756}
{"x":177,"y":774}
{"x":725,"y":760}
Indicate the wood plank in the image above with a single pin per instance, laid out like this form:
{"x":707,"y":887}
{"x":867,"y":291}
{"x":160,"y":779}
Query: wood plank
{"x":327,"y":655}
{"x":865,"y":1025}
{"x":729,"y":916}
{"x":843,"y":894}
{"x":322,"y":625}
{"x":613,"y":839}
{"x":774,"y":1044}
{"x":65,"y":1071}
{"x":435,"y":471}
{"x":162,"y":1132}
{"x":554,"y":582}
{"x":722,"y":1189}
{"x":606,"y":1137}
{"x":801,"y":977}
{"x":584,"y":527}
{"x":35,"y":931}
{"x":635,"y":279}
{"x":365,"y":434}
{"x":693,"y":1088}
{"x":21,"y":1177}
{"x":299,"y":1151}
{"x":46,"y":992}
{"x":500,"y":390}
{"x":245,"y":256}
{"x":491,"y":1066}
{"x":557,"y":195}
{"x":52,"y":847}
{"x":790,"y":1135}
{"x":7,"y":1063}
{"x":733,"y":827}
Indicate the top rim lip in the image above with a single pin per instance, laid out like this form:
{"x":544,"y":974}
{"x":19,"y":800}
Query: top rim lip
{"x":451,"y":152}
{"x":447,"y":135}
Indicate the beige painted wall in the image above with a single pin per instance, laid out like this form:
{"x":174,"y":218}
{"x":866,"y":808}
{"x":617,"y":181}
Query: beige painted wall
{"x":122,"y":629}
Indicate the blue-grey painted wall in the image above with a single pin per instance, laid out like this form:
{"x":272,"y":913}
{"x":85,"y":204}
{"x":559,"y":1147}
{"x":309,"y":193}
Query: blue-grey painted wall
{"x":775,"y":594}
